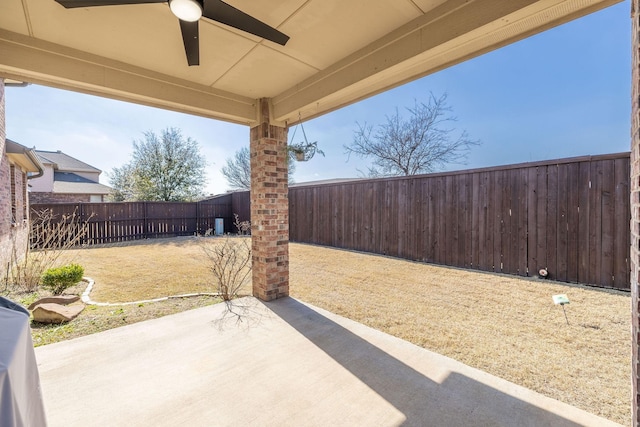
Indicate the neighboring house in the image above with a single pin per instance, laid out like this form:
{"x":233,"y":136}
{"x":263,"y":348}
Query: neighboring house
{"x":66,"y":180}
{"x":17,"y":164}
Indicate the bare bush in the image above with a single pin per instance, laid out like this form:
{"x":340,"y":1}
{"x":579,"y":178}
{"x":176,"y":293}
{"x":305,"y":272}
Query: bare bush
{"x":49,"y":239}
{"x":48,"y":232}
{"x":230,"y":263}
{"x":243,"y":227}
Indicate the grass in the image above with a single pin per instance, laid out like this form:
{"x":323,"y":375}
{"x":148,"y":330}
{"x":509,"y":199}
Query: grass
{"x":147,"y":269}
{"x":504,"y":325}
{"x":127,"y":272}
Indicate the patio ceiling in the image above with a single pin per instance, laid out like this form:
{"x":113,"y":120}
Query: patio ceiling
{"x":339,"y":52}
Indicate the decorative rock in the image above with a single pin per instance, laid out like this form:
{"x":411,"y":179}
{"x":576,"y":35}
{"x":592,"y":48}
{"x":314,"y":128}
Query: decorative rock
{"x":60,"y":299}
{"x":56,"y":313}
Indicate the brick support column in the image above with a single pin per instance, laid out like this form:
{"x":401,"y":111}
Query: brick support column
{"x":635,"y":209}
{"x":269,"y":208}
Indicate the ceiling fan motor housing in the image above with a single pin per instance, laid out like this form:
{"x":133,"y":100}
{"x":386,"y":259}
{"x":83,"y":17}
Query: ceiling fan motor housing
{"x":189,"y":13}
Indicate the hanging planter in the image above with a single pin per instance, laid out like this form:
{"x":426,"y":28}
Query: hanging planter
{"x":304,"y":150}
{"x":299,"y":155}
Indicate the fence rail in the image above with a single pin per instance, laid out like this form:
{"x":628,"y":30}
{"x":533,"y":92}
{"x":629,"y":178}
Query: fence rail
{"x":569,"y":216}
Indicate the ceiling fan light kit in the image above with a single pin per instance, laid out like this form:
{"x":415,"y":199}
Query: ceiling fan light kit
{"x":189,"y":13}
{"x":186,"y":10}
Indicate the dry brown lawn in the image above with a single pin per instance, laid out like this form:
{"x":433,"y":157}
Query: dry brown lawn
{"x":504,"y":325}
{"x":146,"y":269}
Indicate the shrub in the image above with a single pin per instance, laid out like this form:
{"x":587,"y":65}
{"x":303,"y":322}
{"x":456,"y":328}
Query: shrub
{"x":50,"y":236}
{"x":60,"y":278}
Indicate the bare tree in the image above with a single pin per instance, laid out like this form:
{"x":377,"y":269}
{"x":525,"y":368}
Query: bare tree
{"x":237,"y":171}
{"x":423,"y":143}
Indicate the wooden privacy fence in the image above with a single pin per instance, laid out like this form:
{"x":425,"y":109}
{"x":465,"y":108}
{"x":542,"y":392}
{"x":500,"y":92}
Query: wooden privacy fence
{"x":119,"y":222}
{"x":569,"y":216}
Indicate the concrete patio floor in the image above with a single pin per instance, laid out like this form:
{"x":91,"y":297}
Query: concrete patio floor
{"x":285,"y":364}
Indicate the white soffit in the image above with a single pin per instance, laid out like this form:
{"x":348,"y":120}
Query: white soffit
{"x":339,"y":52}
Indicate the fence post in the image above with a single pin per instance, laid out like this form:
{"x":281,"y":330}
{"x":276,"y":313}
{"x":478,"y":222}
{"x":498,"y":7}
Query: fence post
{"x":144,"y":220}
{"x":197,"y":218}
{"x":84,"y":239}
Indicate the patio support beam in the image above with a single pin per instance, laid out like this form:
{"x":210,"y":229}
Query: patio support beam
{"x":450,"y":33}
{"x":269,"y":206}
{"x":635,"y":210}
{"x":36,"y":61}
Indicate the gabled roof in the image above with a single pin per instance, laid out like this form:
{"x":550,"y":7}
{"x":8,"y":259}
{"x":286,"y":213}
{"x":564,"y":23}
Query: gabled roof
{"x":70,"y":183}
{"x":24,"y":157}
{"x":64,"y":162}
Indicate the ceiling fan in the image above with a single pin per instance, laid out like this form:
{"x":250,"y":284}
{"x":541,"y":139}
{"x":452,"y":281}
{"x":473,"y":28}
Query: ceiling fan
{"x":189,"y":12}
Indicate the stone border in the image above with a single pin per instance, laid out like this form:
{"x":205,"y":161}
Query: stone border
{"x":86,"y":298}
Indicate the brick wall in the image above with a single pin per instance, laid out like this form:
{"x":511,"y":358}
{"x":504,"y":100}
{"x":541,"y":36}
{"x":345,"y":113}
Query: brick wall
{"x":35,"y":198}
{"x":635,"y":208}
{"x":5,"y":190}
{"x":5,"y":179}
{"x":13,"y":236}
{"x":269,"y":209}
{"x":18,"y":179}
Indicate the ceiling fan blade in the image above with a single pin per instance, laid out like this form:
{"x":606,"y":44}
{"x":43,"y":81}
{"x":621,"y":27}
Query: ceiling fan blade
{"x":69,"y":4}
{"x":190,"y":40}
{"x":220,"y":11}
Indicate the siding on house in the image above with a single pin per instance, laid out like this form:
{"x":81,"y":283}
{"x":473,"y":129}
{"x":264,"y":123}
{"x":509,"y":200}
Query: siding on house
{"x":67,"y":180}
{"x":43,"y":184}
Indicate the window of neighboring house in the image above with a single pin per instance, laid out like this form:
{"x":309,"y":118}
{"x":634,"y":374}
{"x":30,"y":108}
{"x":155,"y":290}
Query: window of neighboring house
{"x":14,"y":201}
{"x":95,"y":198}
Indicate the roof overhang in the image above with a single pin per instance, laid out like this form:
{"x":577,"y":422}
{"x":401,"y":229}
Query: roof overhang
{"x":24,"y":157}
{"x":80,"y":188}
{"x":339,"y":52}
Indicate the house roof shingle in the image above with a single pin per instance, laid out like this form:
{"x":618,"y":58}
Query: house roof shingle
{"x":70,"y":183}
{"x":64,"y":162}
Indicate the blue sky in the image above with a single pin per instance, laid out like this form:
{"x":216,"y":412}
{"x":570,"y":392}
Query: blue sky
{"x":562,"y":93}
